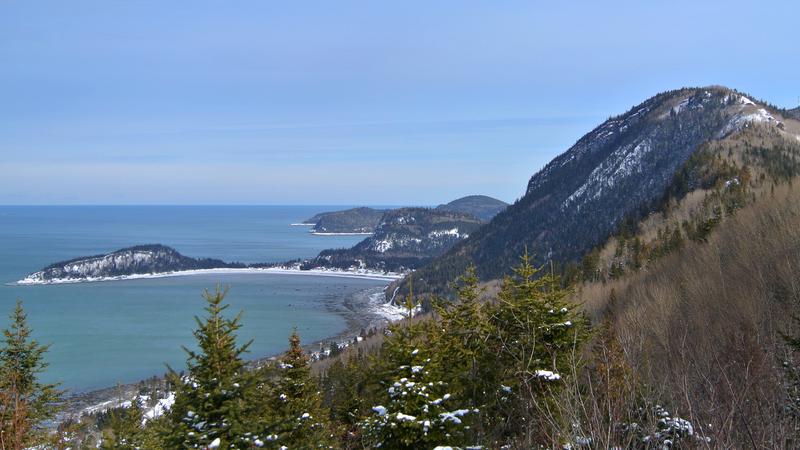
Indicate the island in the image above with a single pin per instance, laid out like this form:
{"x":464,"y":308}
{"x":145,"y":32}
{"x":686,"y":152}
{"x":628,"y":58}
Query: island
{"x":124,"y":263}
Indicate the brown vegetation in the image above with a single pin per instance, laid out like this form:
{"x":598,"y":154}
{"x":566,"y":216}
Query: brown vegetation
{"x":702,"y":327}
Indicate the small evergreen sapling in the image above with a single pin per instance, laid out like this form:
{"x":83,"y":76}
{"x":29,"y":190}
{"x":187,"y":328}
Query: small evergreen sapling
{"x":26,"y":404}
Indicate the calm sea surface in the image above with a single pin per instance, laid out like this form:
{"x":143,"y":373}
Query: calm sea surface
{"x":122,"y":331}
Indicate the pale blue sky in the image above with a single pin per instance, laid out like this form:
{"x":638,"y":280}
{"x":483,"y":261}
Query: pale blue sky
{"x":258,"y":102}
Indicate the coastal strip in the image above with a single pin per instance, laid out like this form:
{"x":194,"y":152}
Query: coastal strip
{"x":359,"y":273}
{"x":324,"y":233}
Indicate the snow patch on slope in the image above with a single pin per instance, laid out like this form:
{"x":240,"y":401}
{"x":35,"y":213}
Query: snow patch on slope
{"x":619,"y":165}
{"x":440,"y":233}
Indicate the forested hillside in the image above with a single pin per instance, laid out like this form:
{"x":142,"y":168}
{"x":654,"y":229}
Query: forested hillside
{"x":404,"y":239}
{"x":354,"y":220}
{"x":622,"y":170}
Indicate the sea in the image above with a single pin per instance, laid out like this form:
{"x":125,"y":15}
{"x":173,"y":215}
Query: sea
{"x":117,"y":332}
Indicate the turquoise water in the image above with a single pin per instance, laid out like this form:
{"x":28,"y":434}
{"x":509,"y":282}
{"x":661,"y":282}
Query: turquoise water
{"x":122,"y":331}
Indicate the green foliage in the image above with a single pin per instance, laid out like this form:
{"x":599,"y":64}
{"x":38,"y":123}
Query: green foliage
{"x":298,"y":418}
{"x":126,"y":431}
{"x":497,"y":362}
{"x":26,"y":404}
{"x":466,"y":346}
{"x":211,"y":399}
{"x":536,"y":332}
{"x":415,"y":408}
{"x":345,"y":384}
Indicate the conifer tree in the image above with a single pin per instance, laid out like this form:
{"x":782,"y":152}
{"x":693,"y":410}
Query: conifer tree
{"x":344,"y":384}
{"x":416,"y":409}
{"x":126,"y":431}
{"x":300,"y":420}
{"x":26,"y":404}
{"x":536,"y":331}
{"x":210,"y":407}
{"x":464,"y":348}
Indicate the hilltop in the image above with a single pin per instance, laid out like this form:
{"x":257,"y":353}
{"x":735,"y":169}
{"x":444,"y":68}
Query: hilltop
{"x":481,"y":206}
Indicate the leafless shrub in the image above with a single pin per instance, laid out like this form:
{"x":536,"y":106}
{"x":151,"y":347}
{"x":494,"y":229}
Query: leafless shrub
{"x":704,"y":324}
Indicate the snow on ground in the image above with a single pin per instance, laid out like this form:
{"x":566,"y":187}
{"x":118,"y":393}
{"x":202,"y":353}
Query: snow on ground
{"x":160,"y":408}
{"x":351,"y":273}
{"x":355,"y":233}
{"x":548,"y":375}
{"x":745,"y":101}
{"x":439,"y":233}
{"x":388,"y":309}
{"x":617,"y":166}
{"x":742,"y":119}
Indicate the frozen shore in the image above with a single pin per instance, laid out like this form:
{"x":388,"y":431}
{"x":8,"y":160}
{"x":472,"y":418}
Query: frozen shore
{"x":322,"y":233}
{"x":356,"y":273}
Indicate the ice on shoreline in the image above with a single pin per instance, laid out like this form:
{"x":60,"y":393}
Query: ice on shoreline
{"x":389,"y":310}
{"x":355,"y":273}
{"x":322,"y":233}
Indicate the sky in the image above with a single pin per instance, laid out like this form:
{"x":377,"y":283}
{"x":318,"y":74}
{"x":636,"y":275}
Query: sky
{"x":401,"y":103}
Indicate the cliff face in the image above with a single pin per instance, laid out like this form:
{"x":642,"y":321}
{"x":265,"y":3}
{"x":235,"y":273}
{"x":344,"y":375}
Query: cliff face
{"x":143,"y":259}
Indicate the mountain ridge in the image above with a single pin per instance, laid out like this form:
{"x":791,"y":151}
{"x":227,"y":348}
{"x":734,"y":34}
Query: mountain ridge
{"x":617,"y":170}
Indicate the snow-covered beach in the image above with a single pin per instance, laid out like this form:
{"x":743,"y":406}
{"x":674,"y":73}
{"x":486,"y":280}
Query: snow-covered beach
{"x":354,"y":273}
{"x":324,"y":233}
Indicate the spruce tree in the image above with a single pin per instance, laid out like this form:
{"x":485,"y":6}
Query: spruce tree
{"x":300,"y":420}
{"x":344,"y":385}
{"x":464,"y":348}
{"x":211,"y":400}
{"x":126,"y":431}
{"x":416,"y":409}
{"x":537,"y":330}
{"x":26,"y":404}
